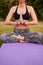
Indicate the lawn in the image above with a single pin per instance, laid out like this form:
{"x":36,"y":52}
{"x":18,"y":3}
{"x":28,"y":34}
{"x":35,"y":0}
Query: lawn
{"x":6,"y":28}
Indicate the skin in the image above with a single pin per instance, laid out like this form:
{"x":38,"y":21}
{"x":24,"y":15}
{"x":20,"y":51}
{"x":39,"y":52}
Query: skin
{"x":21,"y":10}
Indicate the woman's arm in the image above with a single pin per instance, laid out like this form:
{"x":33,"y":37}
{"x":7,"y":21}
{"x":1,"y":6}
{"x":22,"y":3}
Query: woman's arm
{"x":9,"y":16}
{"x":33,"y":15}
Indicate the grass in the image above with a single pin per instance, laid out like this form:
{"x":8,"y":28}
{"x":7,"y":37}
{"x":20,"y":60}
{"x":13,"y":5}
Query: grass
{"x":6,"y":28}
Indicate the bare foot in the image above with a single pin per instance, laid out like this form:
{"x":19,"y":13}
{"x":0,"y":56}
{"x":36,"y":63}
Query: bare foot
{"x":22,"y":41}
{"x":18,"y":37}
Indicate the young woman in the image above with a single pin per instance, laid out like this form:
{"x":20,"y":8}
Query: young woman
{"x":21,"y":13}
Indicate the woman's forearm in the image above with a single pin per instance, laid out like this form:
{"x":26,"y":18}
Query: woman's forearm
{"x":32,"y":23}
{"x":10,"y":23}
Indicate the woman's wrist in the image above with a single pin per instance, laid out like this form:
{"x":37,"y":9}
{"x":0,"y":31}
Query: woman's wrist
{"x":32,"y":23}
{"x":9,"y":23}
{"x":12,"y":23}
{"x":15,"y":23}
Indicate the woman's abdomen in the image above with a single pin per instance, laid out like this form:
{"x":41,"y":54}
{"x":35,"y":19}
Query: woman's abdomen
{"x":22,"y":26}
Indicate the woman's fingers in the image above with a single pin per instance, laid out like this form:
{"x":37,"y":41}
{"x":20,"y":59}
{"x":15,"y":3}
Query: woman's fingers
{"x":17,"y":23}
{"x":24,"y":23}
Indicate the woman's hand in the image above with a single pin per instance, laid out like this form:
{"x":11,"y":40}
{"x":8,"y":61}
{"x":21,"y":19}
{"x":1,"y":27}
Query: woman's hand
{"x":26,"y":22}
{"x":17,"y":23}
{"x":23,"y":22}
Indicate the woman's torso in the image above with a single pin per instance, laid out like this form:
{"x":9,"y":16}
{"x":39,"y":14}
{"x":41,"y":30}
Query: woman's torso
{"x":22,"y":15}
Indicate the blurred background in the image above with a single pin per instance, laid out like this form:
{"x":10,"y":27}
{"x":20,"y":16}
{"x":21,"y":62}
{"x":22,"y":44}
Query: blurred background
{"x":5,"y":6}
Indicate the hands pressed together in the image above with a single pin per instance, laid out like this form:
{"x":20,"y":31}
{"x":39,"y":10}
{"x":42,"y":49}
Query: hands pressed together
{"x":21,"y":22}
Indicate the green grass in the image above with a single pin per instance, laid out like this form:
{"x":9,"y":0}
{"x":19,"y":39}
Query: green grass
{"x":37,"y":28}
{"x":6,"y":28}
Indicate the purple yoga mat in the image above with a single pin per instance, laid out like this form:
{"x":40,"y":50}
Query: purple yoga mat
{"x":21,"y":54}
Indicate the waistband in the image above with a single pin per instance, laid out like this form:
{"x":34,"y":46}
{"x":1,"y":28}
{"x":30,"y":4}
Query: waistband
{"x":20,"y":30}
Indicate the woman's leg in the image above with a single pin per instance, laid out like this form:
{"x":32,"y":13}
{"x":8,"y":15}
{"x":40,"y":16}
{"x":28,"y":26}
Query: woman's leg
{"x":34,"y":37}
{"x":6,"y":38}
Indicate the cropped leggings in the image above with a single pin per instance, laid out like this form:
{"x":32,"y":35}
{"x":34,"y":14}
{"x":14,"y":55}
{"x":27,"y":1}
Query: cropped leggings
{"x":33,"y":37}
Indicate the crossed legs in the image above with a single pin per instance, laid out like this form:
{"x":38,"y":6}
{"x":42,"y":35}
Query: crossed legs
{"x":28,"y":37}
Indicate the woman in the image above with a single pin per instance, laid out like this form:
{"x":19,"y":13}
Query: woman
{"x":21,"y":33}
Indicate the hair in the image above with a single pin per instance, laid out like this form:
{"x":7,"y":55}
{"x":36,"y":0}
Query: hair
{"x":17,"y":2}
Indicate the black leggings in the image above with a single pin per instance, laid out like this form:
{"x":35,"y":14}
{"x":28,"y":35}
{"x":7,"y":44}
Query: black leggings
{"x":33,"y":37}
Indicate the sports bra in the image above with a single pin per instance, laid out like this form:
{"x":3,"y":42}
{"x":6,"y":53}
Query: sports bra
{"x":25,"y":16}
